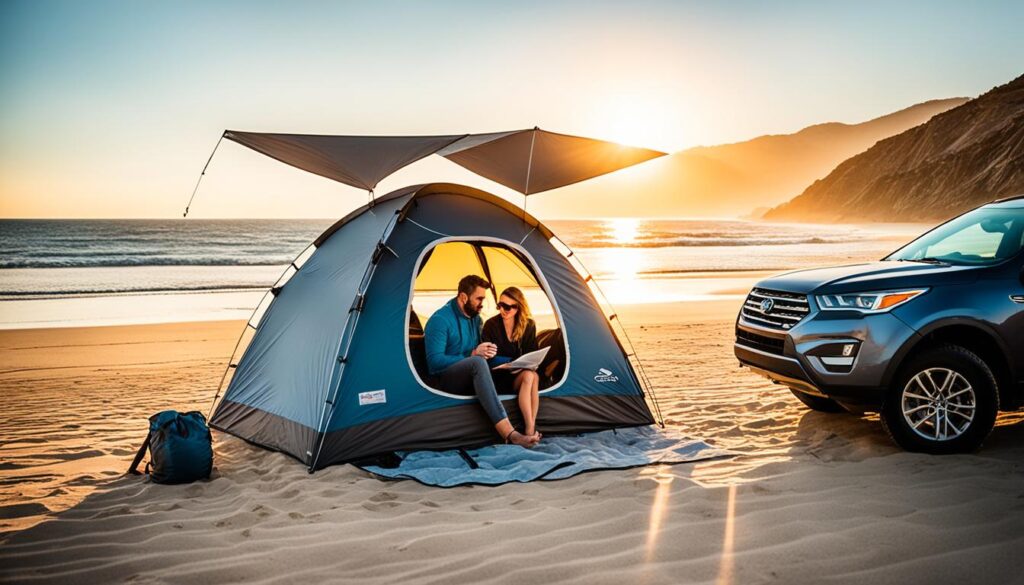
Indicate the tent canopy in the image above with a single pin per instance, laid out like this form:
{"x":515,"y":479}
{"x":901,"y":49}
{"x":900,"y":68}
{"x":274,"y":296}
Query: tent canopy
{"x":527,"y":161}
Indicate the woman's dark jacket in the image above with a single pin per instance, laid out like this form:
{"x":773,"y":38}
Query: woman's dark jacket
{"x":494,"y":332}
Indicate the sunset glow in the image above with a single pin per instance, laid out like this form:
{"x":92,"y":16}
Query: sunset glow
{"x":112,"y":113}
{"x":639,"y":119}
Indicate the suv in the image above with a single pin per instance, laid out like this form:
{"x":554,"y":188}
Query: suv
{"x":931,"y":337}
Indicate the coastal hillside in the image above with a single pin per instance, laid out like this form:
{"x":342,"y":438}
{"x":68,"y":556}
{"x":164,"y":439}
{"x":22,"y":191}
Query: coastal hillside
{"x":959,"y":159}
{"x":736,"y":179}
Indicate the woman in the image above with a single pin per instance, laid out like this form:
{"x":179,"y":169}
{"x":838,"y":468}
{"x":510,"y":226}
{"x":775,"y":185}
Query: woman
{"x":515,"y":334}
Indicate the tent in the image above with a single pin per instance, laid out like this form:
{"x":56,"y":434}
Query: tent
{"x":333,"y":370}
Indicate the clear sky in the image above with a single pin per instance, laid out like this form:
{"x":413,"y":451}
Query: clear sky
{"x":110,"y":109}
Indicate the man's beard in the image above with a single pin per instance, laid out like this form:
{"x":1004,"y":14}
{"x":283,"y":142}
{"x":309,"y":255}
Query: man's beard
{"x":470,"y":309}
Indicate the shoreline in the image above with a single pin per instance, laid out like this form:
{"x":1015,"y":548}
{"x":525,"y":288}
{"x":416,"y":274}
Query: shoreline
{"x":199,"y":306}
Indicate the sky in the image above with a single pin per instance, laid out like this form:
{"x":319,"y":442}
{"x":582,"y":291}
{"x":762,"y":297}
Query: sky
{"x":110,"y":109}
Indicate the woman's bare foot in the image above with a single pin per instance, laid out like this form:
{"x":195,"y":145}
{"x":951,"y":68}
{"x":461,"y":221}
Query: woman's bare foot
{"x":528,"y":441}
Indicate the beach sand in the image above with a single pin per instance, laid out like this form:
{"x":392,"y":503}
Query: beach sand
{"x":811,"y":498}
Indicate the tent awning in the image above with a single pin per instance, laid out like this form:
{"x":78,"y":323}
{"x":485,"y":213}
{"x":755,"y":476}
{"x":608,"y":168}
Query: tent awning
{"x":359,"y":161}
{"x":528,"y":161}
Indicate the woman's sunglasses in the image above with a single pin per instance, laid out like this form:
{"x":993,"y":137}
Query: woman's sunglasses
{"x":507,"y":307}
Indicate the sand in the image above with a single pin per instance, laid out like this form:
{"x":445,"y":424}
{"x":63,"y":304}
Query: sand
{"x":811,"y":498}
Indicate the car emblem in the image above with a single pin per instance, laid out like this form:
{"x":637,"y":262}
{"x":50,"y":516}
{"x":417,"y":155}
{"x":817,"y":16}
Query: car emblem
{"x":767,"y":305}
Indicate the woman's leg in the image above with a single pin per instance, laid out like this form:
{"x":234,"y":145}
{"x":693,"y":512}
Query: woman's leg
{"x":536,"y":396}
{"x":524,"y":388}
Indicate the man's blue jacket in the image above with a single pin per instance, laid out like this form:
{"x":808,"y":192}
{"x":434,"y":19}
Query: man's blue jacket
{"x":450,"y":336}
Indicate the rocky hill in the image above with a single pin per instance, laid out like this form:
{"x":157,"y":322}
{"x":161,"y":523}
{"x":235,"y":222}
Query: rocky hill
{"x":959,"y":159}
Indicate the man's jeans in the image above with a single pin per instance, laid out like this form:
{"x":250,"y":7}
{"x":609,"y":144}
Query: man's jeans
{"x":474,"y":371}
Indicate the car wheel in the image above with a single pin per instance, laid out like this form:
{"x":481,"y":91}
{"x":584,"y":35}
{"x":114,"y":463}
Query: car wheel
{"x":944,"y":400}
{"x":817,"y":402}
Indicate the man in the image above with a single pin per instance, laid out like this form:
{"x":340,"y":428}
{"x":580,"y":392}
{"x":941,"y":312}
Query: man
{"x":456,"y":355}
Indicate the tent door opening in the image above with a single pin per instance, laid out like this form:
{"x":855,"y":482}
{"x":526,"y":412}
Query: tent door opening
{"x":503,"y":264}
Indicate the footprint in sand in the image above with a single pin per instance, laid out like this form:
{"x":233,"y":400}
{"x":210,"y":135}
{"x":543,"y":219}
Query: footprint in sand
{"x":383,"y":497}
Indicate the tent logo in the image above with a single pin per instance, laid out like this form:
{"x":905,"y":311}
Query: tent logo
{"x":604,"y":375}
{"x":372,"y":397}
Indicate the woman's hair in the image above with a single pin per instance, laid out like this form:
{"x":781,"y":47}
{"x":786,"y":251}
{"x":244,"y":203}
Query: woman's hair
{"x":523,"y":315}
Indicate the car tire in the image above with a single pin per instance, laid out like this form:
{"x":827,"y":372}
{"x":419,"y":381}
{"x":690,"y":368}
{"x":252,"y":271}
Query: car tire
{"x":817,"y":402}
{"x":928,"y":412}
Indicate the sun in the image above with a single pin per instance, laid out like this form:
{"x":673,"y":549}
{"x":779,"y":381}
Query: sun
{"x":636,"y":120}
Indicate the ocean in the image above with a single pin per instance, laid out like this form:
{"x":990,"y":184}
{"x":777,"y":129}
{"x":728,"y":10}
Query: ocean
{"x":208,"y":269}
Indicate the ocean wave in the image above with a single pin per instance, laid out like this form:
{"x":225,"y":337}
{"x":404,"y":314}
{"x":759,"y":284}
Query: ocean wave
{"x":15,"y":295}
{"x":88,"y":261}
{"x":700,"y":241}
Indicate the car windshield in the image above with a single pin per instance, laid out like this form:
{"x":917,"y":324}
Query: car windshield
{"x":983,"y":236}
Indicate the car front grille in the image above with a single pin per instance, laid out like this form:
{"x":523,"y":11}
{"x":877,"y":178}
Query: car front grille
{"x":773,"y":345}
{"x":775,"y":309}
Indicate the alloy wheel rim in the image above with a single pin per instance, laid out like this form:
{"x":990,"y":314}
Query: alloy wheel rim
{"x":939,"y":404}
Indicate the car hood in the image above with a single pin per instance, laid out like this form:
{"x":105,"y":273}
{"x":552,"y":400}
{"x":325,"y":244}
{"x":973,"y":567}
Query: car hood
{"x":869,"y":276}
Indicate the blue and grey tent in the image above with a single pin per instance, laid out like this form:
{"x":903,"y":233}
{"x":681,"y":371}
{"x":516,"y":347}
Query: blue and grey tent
{"x":333,"y":367}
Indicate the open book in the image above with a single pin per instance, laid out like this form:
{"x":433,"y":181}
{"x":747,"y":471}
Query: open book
{"x":527,"y":361}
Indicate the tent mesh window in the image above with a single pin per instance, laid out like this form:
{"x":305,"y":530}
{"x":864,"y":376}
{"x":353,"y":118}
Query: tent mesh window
{"x":438,"y":275}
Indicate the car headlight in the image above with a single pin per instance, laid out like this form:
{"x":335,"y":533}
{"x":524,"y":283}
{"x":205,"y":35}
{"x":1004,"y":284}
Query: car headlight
{"x":868,"y":302}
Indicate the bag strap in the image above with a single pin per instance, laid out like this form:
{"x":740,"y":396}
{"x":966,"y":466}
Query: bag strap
{"x":468,"y":459}
{"x":134,"y":469}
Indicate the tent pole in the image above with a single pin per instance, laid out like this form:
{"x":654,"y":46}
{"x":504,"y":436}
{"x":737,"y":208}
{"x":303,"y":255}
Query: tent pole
{"x":344,"y":345}
{"x":231,"y":364}
{"x":249,"y":324}
{"x":641,"y":373}
{"x":201,"y":175}
{"x":529,"y":168}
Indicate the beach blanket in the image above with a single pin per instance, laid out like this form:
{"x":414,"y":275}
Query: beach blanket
{"x":554,"y":458}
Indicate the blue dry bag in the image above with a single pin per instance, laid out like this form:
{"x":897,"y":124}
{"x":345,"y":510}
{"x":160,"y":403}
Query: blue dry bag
{"x":180,"y":448}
